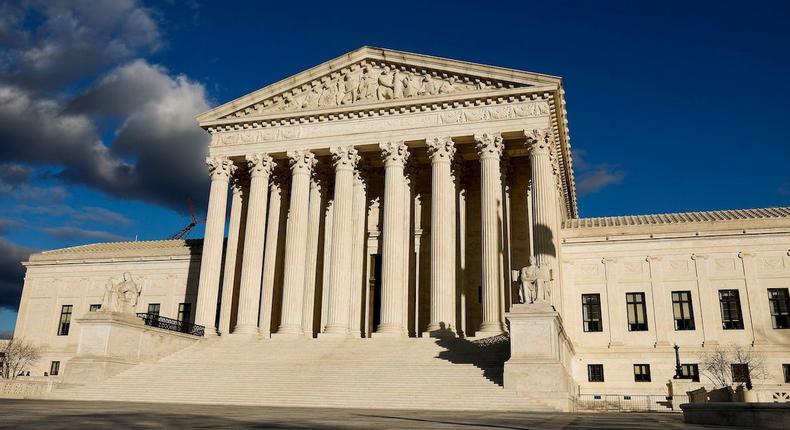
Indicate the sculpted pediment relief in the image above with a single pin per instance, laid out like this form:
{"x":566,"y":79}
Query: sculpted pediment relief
{"x":367,"y":82}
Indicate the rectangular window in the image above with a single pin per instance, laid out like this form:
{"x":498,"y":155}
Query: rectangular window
{"x":642,"y":372}
{"x":153,"y":309}
{"x":690,"y":371}
{"x":731,"y":317}
{"x":637,"y":311}
{"x":740,"y":372}
{"x":683,"y":310}
{"x":184,"y":311}
{"x":54,"y":368}
{"x":595,"y":372}
{"x":65,"y":320}
{"x":591,"y":312}
{"x":94,"y":308}
{"x":786,"y":371}
{"x":779,"y":302}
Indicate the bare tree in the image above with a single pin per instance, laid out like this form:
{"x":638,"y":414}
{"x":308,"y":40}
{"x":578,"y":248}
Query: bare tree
{"x":717,"y":365}
{"x":16,"y":356}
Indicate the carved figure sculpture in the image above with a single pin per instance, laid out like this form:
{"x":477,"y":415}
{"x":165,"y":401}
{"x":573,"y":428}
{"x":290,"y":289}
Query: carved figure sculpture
{"x":121,"y":297}
{"x":534,"y":283}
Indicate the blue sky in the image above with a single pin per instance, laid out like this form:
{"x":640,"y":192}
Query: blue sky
{"x":673,"y":106}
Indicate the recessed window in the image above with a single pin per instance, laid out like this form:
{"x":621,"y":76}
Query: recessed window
{"x":683,"y":310}
{"x":786,"y":371}
{"x":641,"y":372}
{"x":591,"y":312}
{"x":740,"y":372}
{"x":184,"y":311}
{"x":94,"y":308}
{"x":595,"y":372}
{"x":54,"y":368}
{"x":690,"y":371}
{"x":731,"y":316}
{"x":65,"y":320}
{"x":637,"y":311}
{"x":778,"y":302}
{"x":153,"y":309}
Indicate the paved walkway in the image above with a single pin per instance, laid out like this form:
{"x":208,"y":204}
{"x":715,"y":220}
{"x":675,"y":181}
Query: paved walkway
{"x":38,"y":414}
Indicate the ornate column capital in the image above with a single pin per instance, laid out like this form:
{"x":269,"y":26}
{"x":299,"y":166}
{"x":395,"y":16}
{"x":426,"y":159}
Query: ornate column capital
{"x":220,"y":168}
{"x":302,"y":161}
{"x":539,"y":140}
{"x":441,"y":149}
{"x":260,"y":164}
{"x":344,"y":157}
{"x":394,"y":153}
{"x":489,"y":145}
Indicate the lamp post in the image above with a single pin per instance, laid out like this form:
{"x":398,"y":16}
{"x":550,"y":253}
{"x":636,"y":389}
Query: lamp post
{"x":678,"y":369}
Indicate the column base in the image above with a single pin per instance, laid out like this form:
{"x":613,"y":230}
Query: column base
{"x":289,"y":330}
{"x":245,"y":329}
{"x":334,"y":335}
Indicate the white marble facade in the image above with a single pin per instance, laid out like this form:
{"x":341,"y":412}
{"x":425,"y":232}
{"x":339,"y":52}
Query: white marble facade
{"x":387,"y":194}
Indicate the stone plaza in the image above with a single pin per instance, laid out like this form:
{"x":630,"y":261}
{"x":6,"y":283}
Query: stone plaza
{"x":394,"y":230}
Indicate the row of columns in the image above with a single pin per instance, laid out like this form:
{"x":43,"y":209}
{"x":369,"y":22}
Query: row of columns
{"x":255,"y":240}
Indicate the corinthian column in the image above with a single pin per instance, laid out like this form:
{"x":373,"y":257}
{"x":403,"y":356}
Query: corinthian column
{"x":358,"y":255}
{"x":545,"y":214}
{"x":317,"y":190}
{"x":395,"y":155}
{"x":302,"y":163}
{"x":220,"y":168}
{"x":338,"y":312}
{"x":441,"y":151}
{"x":277,"y":187}
{"x":260,"y":167}
{"x":234,"y":248}
{"x":489,"y":149}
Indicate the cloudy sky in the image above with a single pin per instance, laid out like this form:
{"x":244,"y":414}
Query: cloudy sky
{"x":676,"y":107}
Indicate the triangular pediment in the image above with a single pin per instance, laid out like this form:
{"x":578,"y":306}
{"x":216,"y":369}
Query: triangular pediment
{"x":371,"y":76}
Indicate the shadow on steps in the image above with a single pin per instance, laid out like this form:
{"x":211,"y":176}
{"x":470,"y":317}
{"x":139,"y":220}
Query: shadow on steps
{"x":489,"y":354}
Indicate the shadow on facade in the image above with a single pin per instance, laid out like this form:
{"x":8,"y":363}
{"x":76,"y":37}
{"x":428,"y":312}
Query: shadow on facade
{"x":544,"y":241}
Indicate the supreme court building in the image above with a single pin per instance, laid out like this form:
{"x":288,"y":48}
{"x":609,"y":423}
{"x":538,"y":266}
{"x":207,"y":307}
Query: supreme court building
{"x":367,"y":225}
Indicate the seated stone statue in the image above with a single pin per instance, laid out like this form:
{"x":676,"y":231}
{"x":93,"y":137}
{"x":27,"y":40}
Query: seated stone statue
{"x":121,"y":297}
{"x":534,"y":283}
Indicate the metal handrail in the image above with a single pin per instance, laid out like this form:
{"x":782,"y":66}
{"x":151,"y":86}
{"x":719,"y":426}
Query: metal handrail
{"x":165,"y":323}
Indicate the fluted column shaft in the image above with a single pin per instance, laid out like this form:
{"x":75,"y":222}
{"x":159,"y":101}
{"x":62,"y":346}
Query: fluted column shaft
{"x":221,"y":168}
{"x":358,"y":255}
{"x":270,"y":256}
{"x":489,"y":149}
{"x":395,"y":155}
{"x":314,"y":217}
{"x":233,"y":249}
{"x":345,"y":160}
{"x":545,"y":216}
{"x":302,"y":163}
{"x":260,"y":167}
{"x":442,"y":311}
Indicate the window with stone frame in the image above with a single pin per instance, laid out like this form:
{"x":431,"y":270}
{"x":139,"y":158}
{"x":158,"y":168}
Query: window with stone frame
{"x":153,"y":309}
{"x":731,"y":315}
{"x":642,"y":373}
{"x":740,"y":372}
{"x":591,"y":312}
{"x":65,"y":320}
{"x":690,"y":371}
{"x":184,"y":311}
{"x":54,"y":368}
{"x":786,"y":371}
{"x":637,"y":311}
{"x":682,"y":310}
{"x":778,"y":302}
{"x":595,"y":372}
{"x":94,"y":308}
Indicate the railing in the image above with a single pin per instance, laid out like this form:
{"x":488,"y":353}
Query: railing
{"x":157,"y":321}
{"x":632,"y":403}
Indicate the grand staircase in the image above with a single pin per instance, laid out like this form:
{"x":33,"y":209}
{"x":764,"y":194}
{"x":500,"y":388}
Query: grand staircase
{"x":453,"y":374}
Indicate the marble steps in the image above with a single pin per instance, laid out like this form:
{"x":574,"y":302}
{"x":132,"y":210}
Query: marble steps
{"x":403,"y":374}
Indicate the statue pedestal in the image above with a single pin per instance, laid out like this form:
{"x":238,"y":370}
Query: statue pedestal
{"x":540,"y":357}
{"x":111,"y":342}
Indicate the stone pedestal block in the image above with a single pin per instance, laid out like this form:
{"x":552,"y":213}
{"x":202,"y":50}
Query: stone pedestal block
{"x":541,"y":353}
{"x":111,"y":342}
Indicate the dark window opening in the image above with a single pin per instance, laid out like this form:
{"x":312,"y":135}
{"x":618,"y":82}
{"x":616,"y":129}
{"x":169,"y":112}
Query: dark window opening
{"x":740,"y":372}
{"x":731,"y":316}
{"x":595,"y":372}
{"x":690,"y":371}
{"x":54,"y":368}
{"x":591,"y":312}
{"x":637,"y":311}
{"x":641,"y":372}
{"x":683,"y":310}
{"x":94,"y":308}
{"x":778,"y":301}
{"x":65,"y":320}
{"x":153,"y":309}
